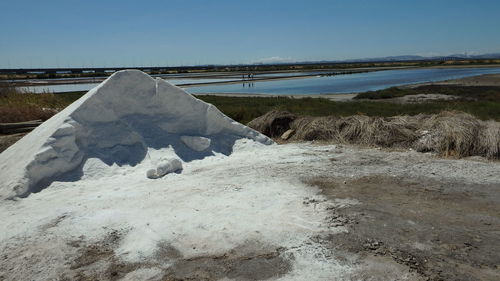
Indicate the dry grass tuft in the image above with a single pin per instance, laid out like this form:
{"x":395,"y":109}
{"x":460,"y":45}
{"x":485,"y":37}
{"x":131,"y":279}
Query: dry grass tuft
{"x":18,"y":106}
{"x":358,"y":129}
{"x":273,"y":124}
{"x":490,"y":139}
{"x":451,"y":133}
{"x":20,"y":113}
{"x":448,"y":133}
{"x":314,"y":128}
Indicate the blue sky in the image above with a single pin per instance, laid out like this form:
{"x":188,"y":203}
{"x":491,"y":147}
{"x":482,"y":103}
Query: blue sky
{"x":55,"y":33}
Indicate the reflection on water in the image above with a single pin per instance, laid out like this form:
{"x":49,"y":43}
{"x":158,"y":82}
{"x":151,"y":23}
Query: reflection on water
{"x":248,"y":84}
{"x":352,"y":83}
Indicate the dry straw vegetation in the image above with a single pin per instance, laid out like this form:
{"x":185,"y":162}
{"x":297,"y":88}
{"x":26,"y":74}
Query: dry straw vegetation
{"x":447,"y":133}
{"x":16,"y":105}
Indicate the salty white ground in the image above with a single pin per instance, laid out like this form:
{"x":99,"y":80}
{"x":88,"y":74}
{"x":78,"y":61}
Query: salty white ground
{"x":255,"y":195}
{"x":214,"y":205}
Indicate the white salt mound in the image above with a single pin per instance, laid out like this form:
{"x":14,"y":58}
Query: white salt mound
{"x":166,"y":166}
{"x":118,"y":122}
{"x":196,"y":143}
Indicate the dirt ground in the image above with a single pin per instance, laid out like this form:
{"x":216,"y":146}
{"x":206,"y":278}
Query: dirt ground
{"x":83,"y":260}
{"x":432,"y":225}
{"x":442,"y":231}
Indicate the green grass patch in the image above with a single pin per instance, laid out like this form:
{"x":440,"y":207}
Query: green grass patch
{"x":244,"y":109}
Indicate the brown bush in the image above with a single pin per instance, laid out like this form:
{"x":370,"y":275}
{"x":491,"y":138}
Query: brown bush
{"x":448,"y":133}
{"x":451,"y":133}
{"x":490,"y":139}
{"x":358,"y":129}
{"x":273,"y":124}
{"x":314,"y":128}
{"x":27,"y":112}
{"x":18,"y":106}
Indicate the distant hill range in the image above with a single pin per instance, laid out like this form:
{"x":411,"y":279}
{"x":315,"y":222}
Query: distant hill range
{"x":416,"y":58}
{"x":391,"y":59}
{"x":412,"y":58}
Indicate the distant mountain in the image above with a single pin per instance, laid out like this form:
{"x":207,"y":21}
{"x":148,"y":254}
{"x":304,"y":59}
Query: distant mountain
{"x":486,"y":56}
{"x":413,"y":58}
{"x":399,"y":58}
{"x":390,"y":58}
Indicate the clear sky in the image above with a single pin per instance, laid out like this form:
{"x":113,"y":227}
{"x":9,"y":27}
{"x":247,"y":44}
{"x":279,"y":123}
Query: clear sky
{"x":67,"y":33}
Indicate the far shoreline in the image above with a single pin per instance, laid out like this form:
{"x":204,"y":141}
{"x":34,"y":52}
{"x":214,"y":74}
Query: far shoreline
{"x":477,"y":80}
{"x":72,"y":81}
{"x":332,"y":96}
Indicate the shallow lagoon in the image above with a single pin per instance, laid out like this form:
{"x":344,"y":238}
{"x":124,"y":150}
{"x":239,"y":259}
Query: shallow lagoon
{"x":347,"y":83}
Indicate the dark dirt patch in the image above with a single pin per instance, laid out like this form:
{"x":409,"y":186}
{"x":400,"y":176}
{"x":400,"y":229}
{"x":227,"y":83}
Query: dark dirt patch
{"x":252,"y":261}
{"x":98,"y":261}
{"x":96,"y":252}
{"x":167,"y":252}
{"x":249,"y":262}
{"x":442,"y":231}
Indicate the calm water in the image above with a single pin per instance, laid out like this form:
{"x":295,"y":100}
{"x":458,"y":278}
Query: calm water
{"x":350,"y":83}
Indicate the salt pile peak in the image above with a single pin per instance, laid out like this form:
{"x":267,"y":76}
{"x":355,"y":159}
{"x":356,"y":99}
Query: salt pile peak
{"x":118,"y":122}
